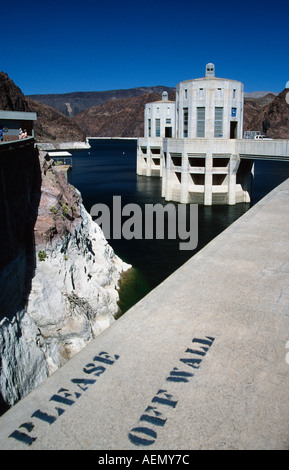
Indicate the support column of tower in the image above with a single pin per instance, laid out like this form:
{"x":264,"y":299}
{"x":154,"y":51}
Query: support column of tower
{"x":248,"y":182}
{"x":208,"y":186}
{"x":184,"y":197}
{"x":149,"y":162}
{"x":233,"y":168}
{"x":138,"y":161}
{"x":169,"y":180}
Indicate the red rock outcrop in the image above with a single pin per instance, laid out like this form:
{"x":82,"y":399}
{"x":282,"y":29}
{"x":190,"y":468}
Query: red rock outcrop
{"x":117,"y":118}
{"x":59,"y":207}
{"x":11,"y":97}
{"x":53,"y":126}
{"x":271,"y":119}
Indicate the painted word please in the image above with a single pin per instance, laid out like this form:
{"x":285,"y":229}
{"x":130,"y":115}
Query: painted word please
{"x":163,"y":403}
{"x":64,"y":398}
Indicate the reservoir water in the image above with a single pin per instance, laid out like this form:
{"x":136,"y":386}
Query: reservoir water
{"x":109,"y":169}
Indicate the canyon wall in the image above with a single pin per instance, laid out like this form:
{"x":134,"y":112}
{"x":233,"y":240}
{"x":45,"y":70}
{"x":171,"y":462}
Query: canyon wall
{"x":58,"y":275}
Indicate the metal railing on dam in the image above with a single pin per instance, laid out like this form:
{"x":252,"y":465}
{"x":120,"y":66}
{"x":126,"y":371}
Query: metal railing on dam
{"x":201,"y":362}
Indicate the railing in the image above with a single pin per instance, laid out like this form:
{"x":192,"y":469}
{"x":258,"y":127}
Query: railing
{"x":12,"y":137}
{"x":12,"y":144}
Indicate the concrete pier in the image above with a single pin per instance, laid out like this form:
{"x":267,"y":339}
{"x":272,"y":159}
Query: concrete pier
{"x":205,"y":171}
{"x":202,"y":362}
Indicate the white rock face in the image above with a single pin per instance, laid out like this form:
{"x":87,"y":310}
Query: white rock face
{"x":23,"y":364}
{"x":74,"y":293}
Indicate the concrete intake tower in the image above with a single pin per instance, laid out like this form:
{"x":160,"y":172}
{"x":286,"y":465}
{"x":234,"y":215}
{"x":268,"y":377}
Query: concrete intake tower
{"x":191,"y":143}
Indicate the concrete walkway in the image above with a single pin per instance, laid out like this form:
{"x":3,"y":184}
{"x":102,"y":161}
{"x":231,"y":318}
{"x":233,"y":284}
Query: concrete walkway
{"x":200,"y":363}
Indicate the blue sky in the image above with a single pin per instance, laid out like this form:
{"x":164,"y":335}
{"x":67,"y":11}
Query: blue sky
{"x":87,"y":45}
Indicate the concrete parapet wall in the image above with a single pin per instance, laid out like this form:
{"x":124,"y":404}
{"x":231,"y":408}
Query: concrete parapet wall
{"x":274,"y":149}
{"x":199,"y":363}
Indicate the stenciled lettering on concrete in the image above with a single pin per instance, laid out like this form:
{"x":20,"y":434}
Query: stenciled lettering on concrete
{"x":64,"y":398}
{"x":163,"y":403}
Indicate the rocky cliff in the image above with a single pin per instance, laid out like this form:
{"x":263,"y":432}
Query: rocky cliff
{"x":58,"y":284}
{"x":270,"y":117}
{"x":53,"y":126}
{"x":11,"y":97}
{"x":116,"y":118}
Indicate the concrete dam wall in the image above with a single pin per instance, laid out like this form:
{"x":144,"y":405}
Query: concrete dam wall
{"x":199,"y":363}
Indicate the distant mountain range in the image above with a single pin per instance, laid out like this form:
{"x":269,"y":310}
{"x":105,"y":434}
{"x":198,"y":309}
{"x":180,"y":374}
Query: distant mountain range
{"x":258,"y":94}
{"x":120,"y":113}
{"x":71,"y":104}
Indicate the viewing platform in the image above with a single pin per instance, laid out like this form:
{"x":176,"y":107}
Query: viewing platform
{"x":12,"y":121}
{"x":202,"y":362}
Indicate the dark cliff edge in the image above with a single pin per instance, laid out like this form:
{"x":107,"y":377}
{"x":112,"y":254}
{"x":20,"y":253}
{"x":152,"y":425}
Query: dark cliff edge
{"x":20,"y":190}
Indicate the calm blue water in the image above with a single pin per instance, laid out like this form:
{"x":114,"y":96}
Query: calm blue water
{"x":109,"y":169}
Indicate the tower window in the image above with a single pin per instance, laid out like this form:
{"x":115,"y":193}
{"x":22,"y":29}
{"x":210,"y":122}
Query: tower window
{"x":186,"y":117}
{"x":218,"y":122}
{"x":158,"y":127}
{"x":149,"y":127}
{"x":201,"y":121}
